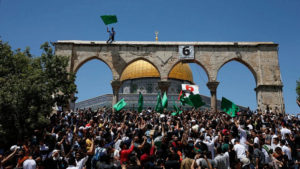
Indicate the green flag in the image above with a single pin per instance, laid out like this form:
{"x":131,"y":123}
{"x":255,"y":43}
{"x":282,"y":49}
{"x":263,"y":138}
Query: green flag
{"x":196,"y":100}
{"x":185,"y":100}
{"x":164,"y":101}
{"x":177,"y":110}
{"x":174,"y":113}
{"x":229,"y":107}
{"x":158,"y":106}
{"x":109,"y":19}
{"x":140,"y":103}
{"x":120,"y":105}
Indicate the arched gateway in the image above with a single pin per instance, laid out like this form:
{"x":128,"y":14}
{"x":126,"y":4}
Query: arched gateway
{"x":260,"y":57}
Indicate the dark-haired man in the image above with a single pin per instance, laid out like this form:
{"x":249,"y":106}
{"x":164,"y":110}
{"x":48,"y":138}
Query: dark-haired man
{"x":111,"y":35}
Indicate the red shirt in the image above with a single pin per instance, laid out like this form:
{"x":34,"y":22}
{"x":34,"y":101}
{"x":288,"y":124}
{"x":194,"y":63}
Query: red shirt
{"x":145,"y":156}
{"x":124,"y":154}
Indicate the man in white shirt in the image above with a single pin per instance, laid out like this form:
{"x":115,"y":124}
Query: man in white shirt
{"x":284,"y":131}
{"x":241,"y":153}
{"x":117,"y":144}
{"x":222,"y":160}
{"x":256,"y":139}
{"x":29,"y":163}
{"x":81,"y":163}
{"x":72,"y":163}
{"x":275,"y":143}
{"x":210,"y":145}
{"x":286,"y":149}
{"x":243,"y":135}
{"x":249,"y":125}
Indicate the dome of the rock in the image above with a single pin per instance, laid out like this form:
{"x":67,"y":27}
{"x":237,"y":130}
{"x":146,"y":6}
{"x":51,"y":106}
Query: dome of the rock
{"x":143,"y":69}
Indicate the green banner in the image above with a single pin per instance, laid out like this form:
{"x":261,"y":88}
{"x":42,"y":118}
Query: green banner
{"x":164,"y":101}
{"x":158,"y":106}
{"x":177,"y":110}
{"x":196,"y":100}
{"x":120,"y":105}
{"x":109,"y":19}
{"x":229,"y":107}
{"x":140,"y":103}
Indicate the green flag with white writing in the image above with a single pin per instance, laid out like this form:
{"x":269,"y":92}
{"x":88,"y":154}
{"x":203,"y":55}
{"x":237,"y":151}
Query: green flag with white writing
{"x":109,"y":19}
{"x":140,"y":103}
{"x":158,"y":106}
{"x":229,"y":107}
{"x":120,"y":105}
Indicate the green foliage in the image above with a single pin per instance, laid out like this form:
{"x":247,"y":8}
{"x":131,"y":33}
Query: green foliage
{"x":30,"y":87}
{"x":298,"y":90}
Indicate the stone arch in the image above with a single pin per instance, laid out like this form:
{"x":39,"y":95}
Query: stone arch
{"x":243,"y":62}
{"x":240,"y":69}
{"x":261,"y":58}
{"x":140,"y":58}
{"x":195,"y":61}
{"x":79,"y":64}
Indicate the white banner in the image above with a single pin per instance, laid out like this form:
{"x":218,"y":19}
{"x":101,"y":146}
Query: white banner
{"x":191,"y":88}
{"x":186,"y":52}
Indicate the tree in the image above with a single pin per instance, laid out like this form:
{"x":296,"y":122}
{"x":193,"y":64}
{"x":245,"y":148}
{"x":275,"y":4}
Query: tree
{"x":30,"y":87}
{"x":298,"y":92}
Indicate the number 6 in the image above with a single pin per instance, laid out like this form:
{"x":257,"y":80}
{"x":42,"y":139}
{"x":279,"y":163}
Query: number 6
{"x":186,"y":50}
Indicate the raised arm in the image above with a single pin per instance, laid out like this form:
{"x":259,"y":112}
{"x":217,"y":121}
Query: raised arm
{"x":162,"y":129}
{"x":208,"y":163}
{"x":62,"y":140}
{"x":152,"y":147}
{"x":128,"y":151}
{"x":143,"y":144}
{"x":75,"y":129}
{"x":52,"y":131}
{"x":117,"y":138}
{"x":8,"y":157}
{"x":92,"y":149}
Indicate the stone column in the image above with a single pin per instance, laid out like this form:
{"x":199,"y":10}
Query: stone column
{"x":270,"y":95}
{"x":72,"y":103}
{"x":164,"y":86}
{"x":115,"y":84}
{"x":212,"y":86}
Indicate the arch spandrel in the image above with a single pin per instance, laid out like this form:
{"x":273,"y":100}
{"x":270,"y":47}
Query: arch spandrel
{"x":270,"y":70}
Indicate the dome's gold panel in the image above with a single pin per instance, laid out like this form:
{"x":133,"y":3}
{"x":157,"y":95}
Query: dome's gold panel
{"x":142,"y":69}
{"x":182,"y":71}
{"x":139,"y":69}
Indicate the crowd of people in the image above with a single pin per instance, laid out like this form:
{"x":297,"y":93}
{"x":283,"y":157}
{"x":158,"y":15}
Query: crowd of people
{"x":104,"y":139}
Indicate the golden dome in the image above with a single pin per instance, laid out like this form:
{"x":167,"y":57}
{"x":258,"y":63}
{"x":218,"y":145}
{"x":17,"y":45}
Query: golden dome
{"x":142,"y":69}
{"x":182,"y":71}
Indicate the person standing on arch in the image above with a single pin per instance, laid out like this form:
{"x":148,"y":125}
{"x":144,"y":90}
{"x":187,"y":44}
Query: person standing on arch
{"x":111,"y":35}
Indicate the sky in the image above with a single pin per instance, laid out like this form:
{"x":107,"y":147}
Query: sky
{"x":32,"y":22}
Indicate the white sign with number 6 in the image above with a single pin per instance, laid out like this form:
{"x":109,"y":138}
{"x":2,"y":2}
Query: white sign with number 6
{"x":186,"y":52}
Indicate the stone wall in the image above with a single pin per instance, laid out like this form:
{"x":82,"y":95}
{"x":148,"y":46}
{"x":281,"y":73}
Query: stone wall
{"x":261,"y":58}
